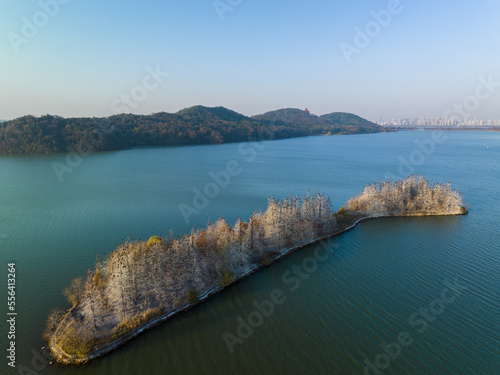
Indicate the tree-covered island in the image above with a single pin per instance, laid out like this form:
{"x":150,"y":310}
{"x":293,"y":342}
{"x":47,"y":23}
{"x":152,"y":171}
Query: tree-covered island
{"x":141,"y":284}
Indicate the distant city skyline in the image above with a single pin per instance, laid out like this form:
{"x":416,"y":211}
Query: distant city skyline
{"x":371,"y":58}
{"x":438,"y":121}
{"x":398,"y":121}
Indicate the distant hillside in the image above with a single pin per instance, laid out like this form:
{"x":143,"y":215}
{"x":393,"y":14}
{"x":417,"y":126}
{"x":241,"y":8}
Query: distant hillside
{"x":291,"y":116}
{"x":342,"y":118}
{"x":337,"y":122}
{"x":190,"y":126}
{"x":201,"y":112}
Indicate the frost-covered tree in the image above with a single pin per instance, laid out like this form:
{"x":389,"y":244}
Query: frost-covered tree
{"x":414,"y":195}
{"x":140,"y":279}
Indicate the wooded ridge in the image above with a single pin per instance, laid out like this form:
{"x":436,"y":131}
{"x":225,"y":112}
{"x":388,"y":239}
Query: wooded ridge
{"x":191,"y":126}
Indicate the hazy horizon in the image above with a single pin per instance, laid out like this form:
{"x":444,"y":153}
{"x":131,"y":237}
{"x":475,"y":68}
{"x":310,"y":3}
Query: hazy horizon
{"x":248,"y":115}
{"x":383,"y":58}
{"x":175,"y":111}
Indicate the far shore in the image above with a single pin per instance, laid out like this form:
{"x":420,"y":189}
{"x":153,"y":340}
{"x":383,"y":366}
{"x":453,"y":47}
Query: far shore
{"x":464,"y":129}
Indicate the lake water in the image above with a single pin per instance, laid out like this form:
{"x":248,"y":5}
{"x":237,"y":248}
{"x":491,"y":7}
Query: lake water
{"x":368,"y":292}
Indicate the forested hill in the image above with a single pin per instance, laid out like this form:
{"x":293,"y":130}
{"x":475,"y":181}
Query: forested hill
{"x":349,"y":119}
{"x":191,"y":126}
{"x":338,"y":122}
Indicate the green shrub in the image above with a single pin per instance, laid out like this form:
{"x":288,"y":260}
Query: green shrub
{"x":76,"y":343}
{"x":98,"y":279}
{"x":132,"y":322}
{"x":266,"y":261}
{"x":154,"y":240}
{"x":342,"y":210}
{"x":227,"y":278}
{"x":192,"y":296}
{"x":116,"y":335}
{"x":150,"y":313}
{"x":128,"y":324}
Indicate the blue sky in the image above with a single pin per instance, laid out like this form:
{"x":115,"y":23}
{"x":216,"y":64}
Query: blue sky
{"x":255,"y":57}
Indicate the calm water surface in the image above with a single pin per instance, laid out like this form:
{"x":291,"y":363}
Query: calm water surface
{"x":365,"y":294}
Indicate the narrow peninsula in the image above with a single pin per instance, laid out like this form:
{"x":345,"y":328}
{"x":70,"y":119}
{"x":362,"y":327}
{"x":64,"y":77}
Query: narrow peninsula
{"x":141,"y":284}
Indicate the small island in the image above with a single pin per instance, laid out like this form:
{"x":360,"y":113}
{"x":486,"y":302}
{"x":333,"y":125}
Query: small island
{"x":143,"y":283}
